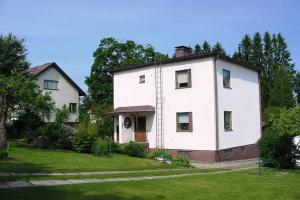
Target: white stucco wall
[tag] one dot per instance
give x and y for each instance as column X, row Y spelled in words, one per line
column 243, row 100
column 65, row 94
column 198, row 99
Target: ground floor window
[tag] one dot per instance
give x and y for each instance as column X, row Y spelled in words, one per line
column 73, row 107
column 227, row 121
column 184, row 121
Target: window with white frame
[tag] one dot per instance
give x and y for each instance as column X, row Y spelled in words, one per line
column 50, row 85
column 184, row 121
column 183, row 79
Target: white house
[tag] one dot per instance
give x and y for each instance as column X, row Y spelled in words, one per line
column 63, row 90
column 204, row 106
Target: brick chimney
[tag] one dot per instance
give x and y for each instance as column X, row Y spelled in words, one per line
column 182, row 51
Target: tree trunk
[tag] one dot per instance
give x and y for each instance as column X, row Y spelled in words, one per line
column 3, row 141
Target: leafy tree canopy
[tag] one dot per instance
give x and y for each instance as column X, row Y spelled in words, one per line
column 18, row 90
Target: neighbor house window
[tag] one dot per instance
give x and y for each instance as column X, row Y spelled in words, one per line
column 183, row 79
column 184, row 121
column 142, row 79
column 227, row 121
column 73, row 107
column 226, row 78
column 50, row 85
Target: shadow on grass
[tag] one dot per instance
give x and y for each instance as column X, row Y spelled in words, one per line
column 76, row 192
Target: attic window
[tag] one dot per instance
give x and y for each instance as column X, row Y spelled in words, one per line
column 50, row 85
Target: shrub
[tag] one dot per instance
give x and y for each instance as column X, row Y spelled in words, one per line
column 181, row 161
column 279, row 150
column 102, row 148
column 135, row 150
column 3, row 154
column 83, row 142
column 161, row 153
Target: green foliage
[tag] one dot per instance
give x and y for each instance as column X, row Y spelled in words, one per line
column 18, row 90
column 135, row 150
column 102, row 148
column 288, row 122
column 181, row 161
column 112, row 54
column 280, row 150
column 297, row 87
column 272, row 57
column 219, row 49
column 270, row 114
column 197, row 49
column 61, row 115
column 161, row 153
column 3, row 153
column 85, row 136
column 104, row 123
column 206, row 48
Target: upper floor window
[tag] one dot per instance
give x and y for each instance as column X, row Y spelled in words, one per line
column 227, row 121
column 183, row 79
column 184, row 121
column 50, row 85
column 142, row 79
column 73, row 107
column 226, row 78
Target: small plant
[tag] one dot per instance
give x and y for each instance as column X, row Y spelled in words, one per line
column 3, row 154
column 161, row 153
column 102, row 148
column 181, row 161
column 83, row 142
column 135, row 150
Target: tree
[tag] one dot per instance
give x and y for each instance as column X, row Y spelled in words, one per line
column 197, row 49
column 206, row 48
column 246, row 49
column 219, row 48
column 112, row 54
column 297, row 87
column 18, row 90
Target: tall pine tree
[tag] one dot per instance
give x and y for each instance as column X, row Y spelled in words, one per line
column 206, row 48
column 219, row 48
column 197, row 49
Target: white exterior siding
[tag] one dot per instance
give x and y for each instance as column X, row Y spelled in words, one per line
column 243, row 99
column 199, row 99
column 65, row 94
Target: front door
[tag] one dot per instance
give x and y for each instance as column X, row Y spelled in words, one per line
column 140, row 129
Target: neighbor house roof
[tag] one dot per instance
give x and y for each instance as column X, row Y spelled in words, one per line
column 132, row 109
column 186, row 58
column 35, row 71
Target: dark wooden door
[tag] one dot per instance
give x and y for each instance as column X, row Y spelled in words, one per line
column 140, row 129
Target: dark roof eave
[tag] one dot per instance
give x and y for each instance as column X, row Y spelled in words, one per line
column 185, row 58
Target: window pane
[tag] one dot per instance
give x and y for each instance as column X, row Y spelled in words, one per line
column 226, row 78
column 182, row 77
column 51, row 85
column 183, row 118
column 142, row 79
column 227, row 120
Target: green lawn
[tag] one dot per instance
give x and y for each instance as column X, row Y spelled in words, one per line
column 24, row 158
column 234, row 185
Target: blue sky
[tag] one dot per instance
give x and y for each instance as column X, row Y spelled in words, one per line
column 68, row 32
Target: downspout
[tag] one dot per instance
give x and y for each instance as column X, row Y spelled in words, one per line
column 216, row 107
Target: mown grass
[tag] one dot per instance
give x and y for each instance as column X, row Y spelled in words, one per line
column 103, row 176
column 24, row 158
column 235, row 185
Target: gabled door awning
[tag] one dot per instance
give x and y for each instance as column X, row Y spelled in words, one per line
column 132, row 109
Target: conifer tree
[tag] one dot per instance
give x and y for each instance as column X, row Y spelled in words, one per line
column 197, row 49
column 219, row 48
column 206, row 48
